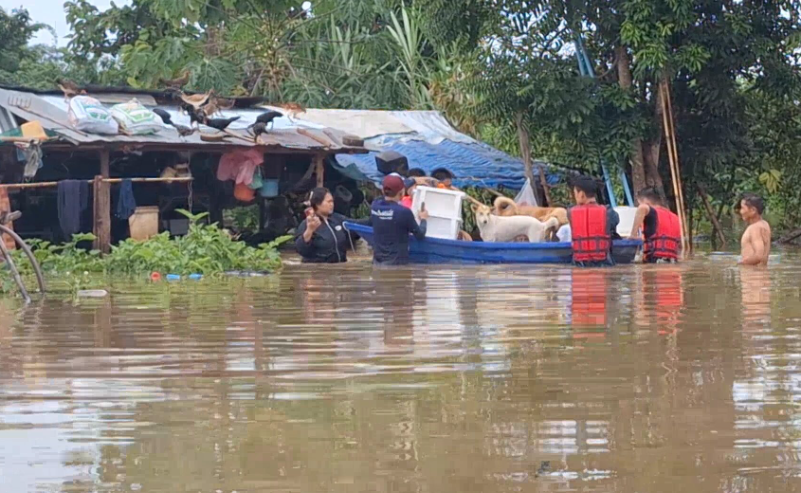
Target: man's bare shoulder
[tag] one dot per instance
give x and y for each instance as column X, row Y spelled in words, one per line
column 760, row 228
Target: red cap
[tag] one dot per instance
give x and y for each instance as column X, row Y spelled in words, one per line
column 392, row 185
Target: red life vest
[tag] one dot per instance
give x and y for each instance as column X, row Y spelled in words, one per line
column 664, row 243
column 591, row 239
column 588, row 293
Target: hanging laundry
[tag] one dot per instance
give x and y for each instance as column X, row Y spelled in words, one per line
column 31, row 154
column 239, row 165
column 126, row 202
column 257, row 181
column 73, row 199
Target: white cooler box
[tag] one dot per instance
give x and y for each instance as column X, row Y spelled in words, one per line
column 626, row 220
column 444, row 211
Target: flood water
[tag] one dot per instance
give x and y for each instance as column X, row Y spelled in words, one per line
column 439, row 379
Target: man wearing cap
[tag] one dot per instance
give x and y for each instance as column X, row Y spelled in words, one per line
column 392, row 223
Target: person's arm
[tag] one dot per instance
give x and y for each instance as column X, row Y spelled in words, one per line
column 418, row 230
column 639, row 221
column 613, row 219
column 303, row 246
column 758, row 250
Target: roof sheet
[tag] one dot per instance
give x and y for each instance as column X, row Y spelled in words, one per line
column 52, row 112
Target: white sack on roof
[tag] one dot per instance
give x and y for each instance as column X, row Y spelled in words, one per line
column 135, row 119
column 88, row 115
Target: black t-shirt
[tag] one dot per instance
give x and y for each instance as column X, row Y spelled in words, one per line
column 392, row 224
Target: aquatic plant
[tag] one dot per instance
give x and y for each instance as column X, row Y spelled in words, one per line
column 205, row 249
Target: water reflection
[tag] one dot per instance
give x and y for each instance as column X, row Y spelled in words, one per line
column 437, row 379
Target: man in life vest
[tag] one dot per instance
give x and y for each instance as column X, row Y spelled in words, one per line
column 592, row 226
column 661, row 229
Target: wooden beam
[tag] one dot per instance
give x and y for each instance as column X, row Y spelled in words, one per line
column 323, row 141
column 102, row 206
column 319, row 169
column 51, row 184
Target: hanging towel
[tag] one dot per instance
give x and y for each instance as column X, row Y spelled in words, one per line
column 239, row 165
column 126, row 203
column 31, row 154
column 73, row 199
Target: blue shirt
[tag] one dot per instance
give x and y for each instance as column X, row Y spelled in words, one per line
column 392, row 224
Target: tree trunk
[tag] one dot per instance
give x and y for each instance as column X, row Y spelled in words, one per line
column 710, row 212
column 637, row 159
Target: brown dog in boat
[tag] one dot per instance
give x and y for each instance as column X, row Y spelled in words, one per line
column 504, row 206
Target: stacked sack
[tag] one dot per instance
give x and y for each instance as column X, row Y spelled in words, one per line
column 87, row 114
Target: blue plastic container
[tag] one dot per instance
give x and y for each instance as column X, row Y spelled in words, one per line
column 269, row 188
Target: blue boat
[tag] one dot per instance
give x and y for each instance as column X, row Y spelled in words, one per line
column 438, row 251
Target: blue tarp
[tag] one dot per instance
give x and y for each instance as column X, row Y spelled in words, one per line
column 473, row 163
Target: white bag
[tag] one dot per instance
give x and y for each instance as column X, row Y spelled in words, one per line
column 88, row 115
column 135, row 119
column 526, row 196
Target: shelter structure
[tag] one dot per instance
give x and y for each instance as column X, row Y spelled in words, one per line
column 428, row 141
column 294, row 154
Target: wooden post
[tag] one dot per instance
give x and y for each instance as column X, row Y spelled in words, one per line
column 102, row 206
column 319, row 169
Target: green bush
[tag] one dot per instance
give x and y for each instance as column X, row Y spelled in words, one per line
column 206, row 249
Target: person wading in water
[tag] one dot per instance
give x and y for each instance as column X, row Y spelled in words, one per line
column 661, row 229
column 755, row 244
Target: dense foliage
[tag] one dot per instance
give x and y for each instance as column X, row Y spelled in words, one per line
column 502, row 70
column 205, row 249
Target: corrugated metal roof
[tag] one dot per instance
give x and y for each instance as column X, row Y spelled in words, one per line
column 386, row 125
column 51, row 112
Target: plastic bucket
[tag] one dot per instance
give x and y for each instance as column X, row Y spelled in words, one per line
column 269, row 188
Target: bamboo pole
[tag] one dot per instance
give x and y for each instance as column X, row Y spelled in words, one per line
column 673, row 161
column 51, row 184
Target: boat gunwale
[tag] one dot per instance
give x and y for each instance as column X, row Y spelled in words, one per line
column 487, row 245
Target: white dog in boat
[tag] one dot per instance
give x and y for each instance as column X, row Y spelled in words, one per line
column 502, row 229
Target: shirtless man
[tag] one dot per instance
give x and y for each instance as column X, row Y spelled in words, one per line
column 756, row 239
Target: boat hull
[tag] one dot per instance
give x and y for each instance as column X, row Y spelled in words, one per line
column 438, row 251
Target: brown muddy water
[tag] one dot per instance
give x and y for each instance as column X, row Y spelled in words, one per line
column 441, row 380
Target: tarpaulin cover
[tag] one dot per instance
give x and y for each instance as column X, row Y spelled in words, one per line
column 473, row 163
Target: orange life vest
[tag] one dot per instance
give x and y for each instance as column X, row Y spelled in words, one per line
column 664, row 243
column 591, row 239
